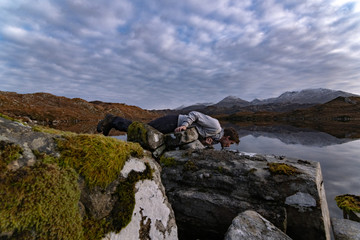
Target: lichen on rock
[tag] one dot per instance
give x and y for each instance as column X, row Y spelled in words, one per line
column 282, row 168
column 348, row 202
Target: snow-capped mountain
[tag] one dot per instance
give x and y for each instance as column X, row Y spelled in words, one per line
column 286, row 101
column 307, row 96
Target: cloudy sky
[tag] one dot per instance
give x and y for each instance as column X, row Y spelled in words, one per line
column 164, row 53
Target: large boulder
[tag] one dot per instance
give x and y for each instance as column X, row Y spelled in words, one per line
column 61, row 185
column 250, row 225
column 208, row 188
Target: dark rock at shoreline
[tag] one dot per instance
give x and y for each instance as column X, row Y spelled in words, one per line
column 209, row 188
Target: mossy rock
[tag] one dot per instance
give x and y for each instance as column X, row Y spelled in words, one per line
column 282, row 169
column 41, row 200
column 137, row 132
column 348, row 202
column 167, row 161
column 123, row 209
column 97, row 158
column 9, row 152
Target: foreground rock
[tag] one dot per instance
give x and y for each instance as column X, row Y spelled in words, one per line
column 252, row 226
column 345, row 229
column 68, row 186
column 209, row 188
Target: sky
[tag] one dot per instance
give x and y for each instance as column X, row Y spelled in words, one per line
column 163, row 54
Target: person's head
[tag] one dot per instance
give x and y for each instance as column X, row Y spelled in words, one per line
column 230, row 137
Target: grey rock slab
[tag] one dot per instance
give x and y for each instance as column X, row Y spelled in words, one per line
column 250, row 225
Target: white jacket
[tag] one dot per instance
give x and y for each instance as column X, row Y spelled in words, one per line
column 205, row 125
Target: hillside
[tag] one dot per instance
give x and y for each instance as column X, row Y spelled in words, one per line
column 339, row 117
column 63, row 113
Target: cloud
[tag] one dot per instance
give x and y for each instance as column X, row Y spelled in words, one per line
column 163, row 54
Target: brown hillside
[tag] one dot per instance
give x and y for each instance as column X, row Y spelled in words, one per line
column 64, row 113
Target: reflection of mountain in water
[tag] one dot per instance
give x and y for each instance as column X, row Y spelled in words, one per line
column 292, row 135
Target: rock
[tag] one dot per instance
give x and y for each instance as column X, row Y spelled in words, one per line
column 252, row 226
column 133, row 203
column 28, row 140
column 287, row 192
column 345, row 229
column 175, row 140
column 152, row 217
column 193, row 145
column 148, row 137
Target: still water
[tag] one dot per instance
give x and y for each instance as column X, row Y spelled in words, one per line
column 339, row 157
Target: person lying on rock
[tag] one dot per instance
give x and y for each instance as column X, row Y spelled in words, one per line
column 209, row 129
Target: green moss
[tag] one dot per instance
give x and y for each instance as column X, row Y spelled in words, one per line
column 137, row 133
column 42, row 200
column 45, row 158
column 167, row 161
column 8, row 152
column 282, row 168
column 124, row 208
column 348, row 202
column 95, row 229
column 45, row 129
column 97, row 158
column 190, row 166
column 6, row 117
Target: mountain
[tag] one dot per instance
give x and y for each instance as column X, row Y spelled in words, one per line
column 287, row 101
column 63, row 113
column 307, row 96
column 232, row 101
column 194, row 107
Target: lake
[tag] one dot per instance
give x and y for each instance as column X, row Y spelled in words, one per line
column 339, row 157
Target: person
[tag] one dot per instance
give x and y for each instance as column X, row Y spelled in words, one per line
column 209, row 129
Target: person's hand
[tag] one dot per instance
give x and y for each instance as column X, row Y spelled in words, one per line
column 208, row 140
column 179, row 129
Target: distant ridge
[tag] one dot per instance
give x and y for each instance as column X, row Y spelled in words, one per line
column 308, row 96
column 286, row 101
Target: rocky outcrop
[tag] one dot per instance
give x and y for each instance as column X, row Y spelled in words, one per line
column 209, row 188
column 68, row 186
column 156, row 142
column 252, row 226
